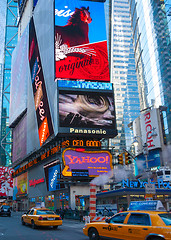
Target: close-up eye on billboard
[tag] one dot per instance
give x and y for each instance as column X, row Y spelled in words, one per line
column 87, row 113
column 80, row 41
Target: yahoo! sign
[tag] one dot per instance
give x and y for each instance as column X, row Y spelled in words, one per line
column 96, row 162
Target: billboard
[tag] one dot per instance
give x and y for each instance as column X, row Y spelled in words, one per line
column 19, row 149
column 81, row 41
column 96, row 162
column 53, row 176
column 87, row 113
column 44, row 121
column 6, row 182
column 19, row 78
column 148, row 121
column 20, row 186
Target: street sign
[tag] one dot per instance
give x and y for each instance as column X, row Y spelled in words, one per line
column 150, row 188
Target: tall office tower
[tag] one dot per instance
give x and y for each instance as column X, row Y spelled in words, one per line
column 123, row 75
column 151, row 25
column 10, row 43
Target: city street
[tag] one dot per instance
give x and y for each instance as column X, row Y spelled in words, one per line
column 11, row 228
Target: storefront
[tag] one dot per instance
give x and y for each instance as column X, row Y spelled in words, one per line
column 122, row 197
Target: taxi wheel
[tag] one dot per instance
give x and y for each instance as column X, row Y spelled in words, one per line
column 93, row 234
column 55, row 227
column 22, row 221
column 156, row 238
column 33, row 224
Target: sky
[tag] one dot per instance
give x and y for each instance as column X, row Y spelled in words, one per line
column 2, row 27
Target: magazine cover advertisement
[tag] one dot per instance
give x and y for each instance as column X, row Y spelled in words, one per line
column 81, row 41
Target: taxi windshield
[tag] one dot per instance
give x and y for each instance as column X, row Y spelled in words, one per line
column 166, row 217
column 43, row 212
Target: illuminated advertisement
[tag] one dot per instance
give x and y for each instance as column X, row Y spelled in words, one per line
column 85, row 85
column 80, row 40
column 6, row 182
column 97, row 163
column 20, row 186
column 87, row 113
column 45, row 128
column 19, row 78
column 54, row 175
column 19, row 141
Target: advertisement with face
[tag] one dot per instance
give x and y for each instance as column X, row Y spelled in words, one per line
column 80, row 40
column 19, row 140
column 45, row 128
column 20, row 186
column 6, row 182
column 87, row 113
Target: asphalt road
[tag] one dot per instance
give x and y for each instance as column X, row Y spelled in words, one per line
column 12, row 229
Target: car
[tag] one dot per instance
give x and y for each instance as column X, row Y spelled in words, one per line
column 41, row 217
column 5, row 210
column 132, row 225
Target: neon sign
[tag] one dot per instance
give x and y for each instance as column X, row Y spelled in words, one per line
column 141, row 184
column 35, row 182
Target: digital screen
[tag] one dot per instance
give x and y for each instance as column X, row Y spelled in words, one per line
column 54, row 175
column 77, row 163
column 85, row 85
column 81, row 41
column 94, row 113
column 45, row 128
column 20, row 186
column 80, row 173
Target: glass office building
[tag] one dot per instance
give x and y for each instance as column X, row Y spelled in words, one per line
column 151, row 25
column 123, row 75
column 10, row 41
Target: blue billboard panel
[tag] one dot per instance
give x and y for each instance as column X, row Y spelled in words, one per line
column 54, row 175
column 85, row 85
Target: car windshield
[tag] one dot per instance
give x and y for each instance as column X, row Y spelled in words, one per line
column 5, row 207
column 43, row 212
column 166, row 217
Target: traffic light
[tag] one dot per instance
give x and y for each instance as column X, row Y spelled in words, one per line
column 120, row 159
column 127, row 158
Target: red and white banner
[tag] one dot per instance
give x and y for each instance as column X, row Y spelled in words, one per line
column 6, row 182
column 148, row 121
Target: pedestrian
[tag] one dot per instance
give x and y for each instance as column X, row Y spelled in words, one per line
column 81, row 213
column 105, row 212
column 121, row 209
column 110, row 213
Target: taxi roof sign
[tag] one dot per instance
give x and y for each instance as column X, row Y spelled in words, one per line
column 153, row 205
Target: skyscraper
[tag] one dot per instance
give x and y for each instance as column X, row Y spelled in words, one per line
column 10, row 43
column 123, row 74
column 151, row 25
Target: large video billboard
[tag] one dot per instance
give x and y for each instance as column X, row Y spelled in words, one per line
column 45, row 128
column 87, row 113
column 95, row 163
column 81, row 41
column 19, row 78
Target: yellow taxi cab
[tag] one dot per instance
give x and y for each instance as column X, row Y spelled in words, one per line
column 132, row 225
column 41, row 217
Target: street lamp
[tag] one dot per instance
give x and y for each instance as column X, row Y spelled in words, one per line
column 145, row 145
